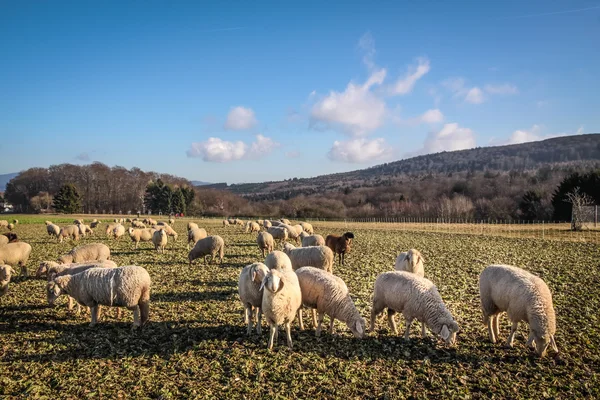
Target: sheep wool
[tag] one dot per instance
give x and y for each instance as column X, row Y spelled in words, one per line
column 159, row 239
column 196, row 234
column 71, row 231
column 14, row 254
column 329, row 295
column 225, row 222
column 416, row 298
column 127, row 286
column 3, row 240
column 267, row 224
column 191, row 225
column 88, row 252
column 252, row 226
column 308, row 228
column 524, row 297
column 266, row 242
column 209, row 246
column 311, row 240
column 118, row 231
column 251, row 294
column 278, row 260
column 410, row 261
column 140, row 235
column 278, row 233
column 312, row 256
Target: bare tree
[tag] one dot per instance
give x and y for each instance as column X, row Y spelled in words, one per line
column 578, row 202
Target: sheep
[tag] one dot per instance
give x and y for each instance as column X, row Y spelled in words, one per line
column 53, row 230
column 231, row 221
column 3, row 223
column 118, row 231
column 251, row 295
column 313, row 256
column 524, row 297
column 152, row 221
column 138, row 224
column 15, row 254
column 278, row 233
column 281, row 300
column 329, row 295
column 285, row 221
column 94, row 224
column 87, row 252
column 127, row 219
column 71, row 231
column 196, row 234
column 308, row 228
column 78, row 222
column 159, row 238
column 416, row 298
column 110, row 227
column 210, row 245
column 191, row 225
column 267, row 224
column 84, row 229
column 293, row 232
column 410, row 261
column 127, row 286
column 225, row 222
column 252, row 226
column 340, row 244
column 278, row 260
column 6, row 272
column 161, row 223
column 168, row 230
column 275, row 223
column 9, row 237
column 171, row 221
column 3, row 239
column 16, row 221
column 239, row 222
column 10, row 226
column 311, row 240
column 266, row 242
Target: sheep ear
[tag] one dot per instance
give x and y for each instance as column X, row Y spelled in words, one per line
column 253, row 274
column 262, row 284
column 358, row 328
column 445, row 334
column 280, row 286
column 553, row 344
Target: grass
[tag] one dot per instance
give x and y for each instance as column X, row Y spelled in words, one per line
column 195, row 344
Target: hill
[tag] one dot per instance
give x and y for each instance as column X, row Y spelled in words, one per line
column 5, row 178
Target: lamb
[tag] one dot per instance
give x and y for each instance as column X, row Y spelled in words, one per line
column 15, row 254
column 159, row 238
column 71, row 231
column 118, row 231
column 251, row 294
column 138, row 224
column 196, row 234
column 5, row 274
column 293, row 233
column 9, row 237
column 88, row 252
column 524, row 297
column 281, row 300
column 311, row 240
column 340, row 244
column 314, row 256
column 267, row 224
column 127, row 286
column 110, row 227
column 152, row 221
column 252, row 226
column 410, row 261
column 191, row 225
column 10, row 226
column 416, row 298
column 278, row 233
column 308, row 228
column 78, row 222
column 329, row 295
column 266, row 242
column 285, row 221
column 231, row 221
column 210, row 245
column 225, row 222
column 171, row 221
column 278, row 260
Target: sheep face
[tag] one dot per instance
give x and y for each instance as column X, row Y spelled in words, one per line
column 272, row 282
column 258, row 273
column 542, row 342
column 448, row 332
column 53, row 291
column 358, row 328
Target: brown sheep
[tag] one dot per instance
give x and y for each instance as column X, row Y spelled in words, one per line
column 340, row 244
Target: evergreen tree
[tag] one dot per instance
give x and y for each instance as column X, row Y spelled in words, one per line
column 588, row 183
column 67, row 200
column 531, row 205
column 178, row 204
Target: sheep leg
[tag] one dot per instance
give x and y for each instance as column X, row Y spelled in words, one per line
column 23, row 269
column 119, row 312
column 392, row 321
column 530, row 342
column 496, row 327
column 70, row 304
column 288, row 332
column 248, row 318
column 246, row 311
column 314, row 316
column 407, row 331
column 423, row 330
column 320, row 323
column 331, row 325
column 136, row 317
column 513, row 331
column 300, row 319
column 375, row 311
column 490, row 325
column 258, row 318
column 94, row 311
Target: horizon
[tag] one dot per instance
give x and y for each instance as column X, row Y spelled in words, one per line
column 248, row 95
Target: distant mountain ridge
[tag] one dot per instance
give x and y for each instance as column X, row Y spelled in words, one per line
column 200, row 183
column 5, row 178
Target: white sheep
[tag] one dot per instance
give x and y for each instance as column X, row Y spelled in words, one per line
column 78, row 222
column 266, row 242
column 168, row 230
column 311, row 240
column 6, row 272
column 71, row 231
column 87, row 252
column 312, row 256
column 274, row 223
column 118, row 231
column 278, row 233
column 524, row 297
column 3, row 239
column 196, row 234
column 138, row 224
column 416, row 298
column 10, row 226
column 140, row 235
column 278, row 260
column 292, row 232
column 308, row 228
column 329, row 295
column 250, row 293
column 3, row 223
column 267, row 224
column 210, row 245
column 410, row 261
column 159, row 239
column 225, row 222
column 171, row 221
column 191, row 225
column 285, row 221
column 252, row 226
column 14, row 254
column 127, row 286
column 281, row 300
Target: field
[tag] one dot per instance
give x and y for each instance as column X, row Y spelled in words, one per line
column 195, row 344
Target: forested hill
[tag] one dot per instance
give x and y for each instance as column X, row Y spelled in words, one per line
column 580, row 149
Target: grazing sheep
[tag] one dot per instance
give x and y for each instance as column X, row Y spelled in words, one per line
column 314, row 256
column 127, row 219
column 416, row 298
column 239, row 222
column 161, row 223
column 87, row 252
column 118, row 231
column 9, row 237
column 171, row 221
column 311, row 240
column 84, row 229
column 293, row 232
column 340, row 244
column 252, row 226
column 94, row 224
column 251, row 294
column 138, row 224
column 159, row 238
column 524, row 297
column 196, row 234
column 15, row 254
column 410, row 261
column 10, row 226
column 3, row 239
column 278, row 233
column 53, row 230
column 267, row 224
column 78, row 222
column 280, row 302
column 308, row 228
column 285, row 221
column 329, row 295
column 5, row 274
column 278, row 260
column 225, row 222
column 191, row 225
column 275, row 223
column 152, row 221
column 110, row 228
column 266, row 242
column 127, row 286
column 210, row 245
column 231, row 221
column 3, row 223
column 168, row 230
column 71, row 231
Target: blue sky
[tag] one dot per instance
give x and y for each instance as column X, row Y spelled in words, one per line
column 245, row 92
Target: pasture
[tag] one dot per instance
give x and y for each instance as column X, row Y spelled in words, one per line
column 195, row 345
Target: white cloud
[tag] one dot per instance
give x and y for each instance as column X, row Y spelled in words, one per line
column 534, row 134
column 474, row 96
column 359, row 150
column 367, row 44
column 356, row 110
column 432, row 116
column 240, row 118
column 293, row 154
column 505, row 88
column 219, row 150
column 406, row 84
column 450, row 138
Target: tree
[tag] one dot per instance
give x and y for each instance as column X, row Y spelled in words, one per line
column 588, row 183
column 178, row 202
column 67, row 200
column 578, row 201
column 530, row 205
